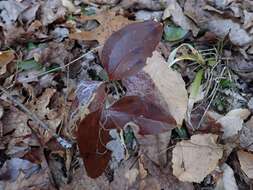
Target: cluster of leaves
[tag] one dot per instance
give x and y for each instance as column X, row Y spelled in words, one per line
column 124, row 54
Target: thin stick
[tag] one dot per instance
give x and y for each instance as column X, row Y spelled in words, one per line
column 68, row 64
column 36, row 119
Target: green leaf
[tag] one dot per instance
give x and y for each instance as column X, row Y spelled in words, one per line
column 173, row 33
column 28, row 65
column 31, row 46
column 196, row 84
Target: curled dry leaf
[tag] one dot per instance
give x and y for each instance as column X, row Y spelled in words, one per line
column 49, row 109
column 51, row 11
column 246, row 136
column 194, row 159
column 227, row 181
column 246, row 162
column 232, row 122
column 173, row 9
column 109, row 23
column 5, row 58
column 126, row 51
column 161, row 85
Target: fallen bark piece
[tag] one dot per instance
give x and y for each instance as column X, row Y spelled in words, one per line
column 194, row 159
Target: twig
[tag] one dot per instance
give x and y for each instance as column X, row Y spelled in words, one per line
column 36, row 119
column 68, row 64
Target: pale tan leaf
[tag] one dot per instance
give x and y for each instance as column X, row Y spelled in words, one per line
column 170, row 85
column 246, row 162
column 109, row 23
column 227, row 181
column 232, row 122
column 194, row 159
column 161, row 85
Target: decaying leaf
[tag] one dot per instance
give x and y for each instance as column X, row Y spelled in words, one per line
column 232, row 122
column 155, row 146
column 17, row 174
column 109, row 23
column 227, row 181
column 47, row 111
column 126, row 51
column 90, row 96
column 246, row 135
column 246, row 162
column 161, row 85
column 51, row 11
column 179, row 18
column 5, row 58
column 194, row 159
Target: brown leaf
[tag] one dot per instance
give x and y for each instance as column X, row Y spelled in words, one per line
column 21, row 174
column 109, row 23
column 150, row 118
column 51, row 11
column 161, row 85
column 5, row 58
column 246, row 162
column 194, row 159
column 126, row 51
column 92, row 138
column 49, row 109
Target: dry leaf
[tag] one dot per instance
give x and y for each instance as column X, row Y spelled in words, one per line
column 51, row 11
column 126, row 51
column 109, row 23
column 69, row 5
column 232, row 122
column 179, row 18
column 194, row 159
column 103, row 2
column 5, row 58
column 227, row 181
column 246, row 135
column 160, row 84
column 52, row 115
column 155, row 146
column 246, row 162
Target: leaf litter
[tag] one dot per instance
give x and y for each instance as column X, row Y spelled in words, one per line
column 93, row 76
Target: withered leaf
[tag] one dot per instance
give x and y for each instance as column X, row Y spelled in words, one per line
column 92, row 138
column 150, row 118
column 126, row 51
column 109, row 23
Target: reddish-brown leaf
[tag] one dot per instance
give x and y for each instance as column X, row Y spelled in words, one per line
column 150, row 118
column 125, row 52
column 91, row 139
